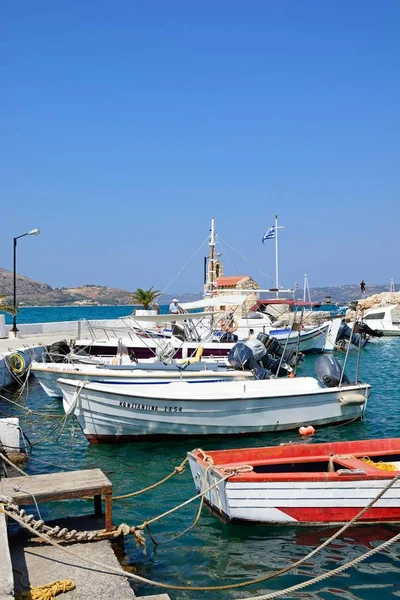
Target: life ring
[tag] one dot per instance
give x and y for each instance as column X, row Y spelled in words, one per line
column 228, row 325
column 17, row 363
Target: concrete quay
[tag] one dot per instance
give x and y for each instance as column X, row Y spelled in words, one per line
column 27, row 561
column 33, row 337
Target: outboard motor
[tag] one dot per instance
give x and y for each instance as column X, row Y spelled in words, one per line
column 241, row 356
column 257, row 347
column 329, row 371
column 57, row 352
column 275, row 350
column 366, row 330
column 346, row 333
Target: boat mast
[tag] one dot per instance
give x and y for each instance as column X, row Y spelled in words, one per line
column 306, row 289
column 211, row 272
column 276, row 257
column 211, row 268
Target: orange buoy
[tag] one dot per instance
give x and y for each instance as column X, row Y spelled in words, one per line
column 309, row 430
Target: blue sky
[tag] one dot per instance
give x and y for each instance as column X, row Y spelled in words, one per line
column 126, row 126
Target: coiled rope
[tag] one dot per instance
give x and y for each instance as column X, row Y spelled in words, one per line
column 46, row 592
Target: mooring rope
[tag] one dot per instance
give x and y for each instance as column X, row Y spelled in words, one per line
column 14, row 512
column 178, row 470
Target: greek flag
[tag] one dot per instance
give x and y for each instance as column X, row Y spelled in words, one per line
column 269, row 234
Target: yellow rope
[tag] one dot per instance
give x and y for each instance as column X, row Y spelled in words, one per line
column 47, row 591
column 379, row 464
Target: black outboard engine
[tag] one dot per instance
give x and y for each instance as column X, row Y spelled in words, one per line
column 329, row 371
column 57, row 352
column 241, row 357
column 366, row 330
column 346, row 333
column 275, row 350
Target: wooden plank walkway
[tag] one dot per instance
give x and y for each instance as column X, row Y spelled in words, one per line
column 62, row 486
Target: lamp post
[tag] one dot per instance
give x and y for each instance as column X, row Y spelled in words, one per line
column 32, row 232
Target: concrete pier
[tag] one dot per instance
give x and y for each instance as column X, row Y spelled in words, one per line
column 6, row 572
column 33, row 337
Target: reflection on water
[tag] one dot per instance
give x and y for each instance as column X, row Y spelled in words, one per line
column 216, row 553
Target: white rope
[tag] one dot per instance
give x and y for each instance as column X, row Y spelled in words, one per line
column 337, row 571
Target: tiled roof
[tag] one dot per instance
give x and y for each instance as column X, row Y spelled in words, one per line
column 230, row 281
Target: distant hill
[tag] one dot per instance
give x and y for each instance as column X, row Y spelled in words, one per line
column 34, row 293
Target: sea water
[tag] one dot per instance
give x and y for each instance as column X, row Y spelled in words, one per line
column 214, row 552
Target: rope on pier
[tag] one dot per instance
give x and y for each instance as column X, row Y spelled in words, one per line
column 48, row 591
column 45, row 532
column 11, row 510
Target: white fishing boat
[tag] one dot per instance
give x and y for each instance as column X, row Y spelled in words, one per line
column 185, row 332
column 111, row 413
column 143, row 372
column 384, row 319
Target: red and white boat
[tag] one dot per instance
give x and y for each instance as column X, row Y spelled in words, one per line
column 304, row 483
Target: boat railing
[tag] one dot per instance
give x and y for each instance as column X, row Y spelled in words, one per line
column 103, row 331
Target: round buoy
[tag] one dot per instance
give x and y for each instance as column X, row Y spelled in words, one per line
column 17, row 363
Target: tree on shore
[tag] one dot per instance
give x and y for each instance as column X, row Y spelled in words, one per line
column 146, row 298
column 6, row 307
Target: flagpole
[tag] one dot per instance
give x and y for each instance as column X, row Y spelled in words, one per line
column 276, row 257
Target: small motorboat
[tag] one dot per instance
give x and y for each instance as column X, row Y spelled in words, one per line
column 307, row 483
column 143, row 372
column 112, row 413
column 384, row 319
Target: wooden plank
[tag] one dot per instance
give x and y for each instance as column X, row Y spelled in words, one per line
column 53, row 486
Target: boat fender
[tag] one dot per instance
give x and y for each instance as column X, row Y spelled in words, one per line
column 352, row 399
column 17, row 363
column 309, row 430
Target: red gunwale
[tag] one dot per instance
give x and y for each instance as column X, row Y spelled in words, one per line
column 346, row 454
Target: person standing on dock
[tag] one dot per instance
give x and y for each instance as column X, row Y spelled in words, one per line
column 362, row 288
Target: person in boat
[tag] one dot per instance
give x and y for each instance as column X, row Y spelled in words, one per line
column 362, row 287
column 228, row 326
column 174, row 307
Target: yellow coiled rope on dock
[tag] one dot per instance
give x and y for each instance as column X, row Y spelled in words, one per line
column 48, row 591
column 379, row 464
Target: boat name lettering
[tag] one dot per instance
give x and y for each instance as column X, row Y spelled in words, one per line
column 172, row 408
column 138, row 406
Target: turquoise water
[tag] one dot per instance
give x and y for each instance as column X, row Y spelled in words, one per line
column 49, row 314
column 215, row 552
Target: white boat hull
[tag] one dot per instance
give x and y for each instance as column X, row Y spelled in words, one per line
column 290, row 502
column 48, row 373
column 117, row 413
column 312, row 340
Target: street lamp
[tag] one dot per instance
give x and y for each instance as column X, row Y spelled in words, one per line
column 32, row 232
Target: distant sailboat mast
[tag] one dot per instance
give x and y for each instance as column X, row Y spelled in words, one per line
column 306, row 289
